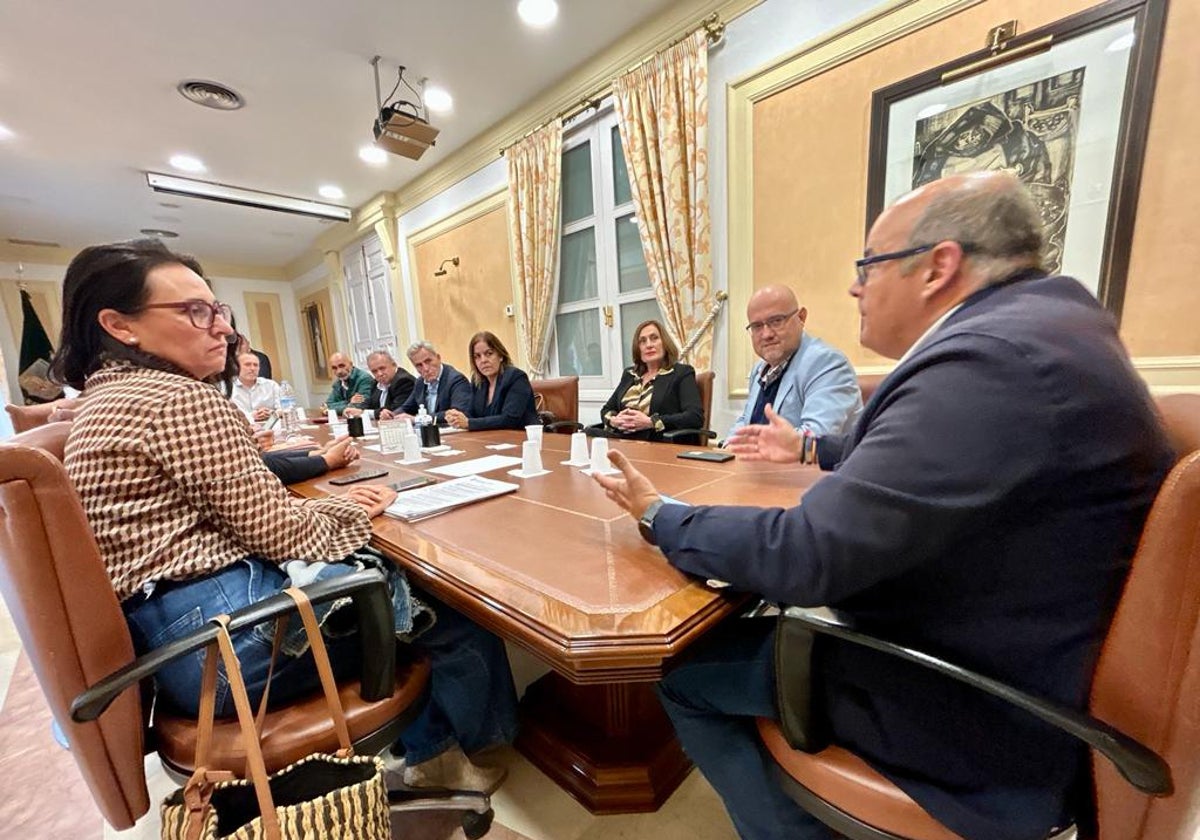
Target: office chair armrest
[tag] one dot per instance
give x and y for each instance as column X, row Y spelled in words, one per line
column 376, row 626
column 564, row 424
column 1141, row 766
column 705, row 434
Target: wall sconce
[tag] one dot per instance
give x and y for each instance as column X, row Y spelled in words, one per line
column 441, row 272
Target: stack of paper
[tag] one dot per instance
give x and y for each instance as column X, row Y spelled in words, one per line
column 438, row 498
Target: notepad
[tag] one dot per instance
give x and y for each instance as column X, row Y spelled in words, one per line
column 412, row 505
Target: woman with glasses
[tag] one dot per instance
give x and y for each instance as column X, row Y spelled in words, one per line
column 658, row 394
column 192, row 524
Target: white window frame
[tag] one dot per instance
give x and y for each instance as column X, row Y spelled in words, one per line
column 598, row 130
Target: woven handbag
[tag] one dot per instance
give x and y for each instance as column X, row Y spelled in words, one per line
column 323, row 797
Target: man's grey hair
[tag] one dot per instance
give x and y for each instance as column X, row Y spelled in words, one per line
column 997, row 222
column 381, row 352
column 420, row 345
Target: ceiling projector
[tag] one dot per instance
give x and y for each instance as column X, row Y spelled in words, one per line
column 402, row 131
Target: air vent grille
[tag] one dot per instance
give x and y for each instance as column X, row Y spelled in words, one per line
column 211, row 94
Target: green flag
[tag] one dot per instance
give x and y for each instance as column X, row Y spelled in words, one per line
column 34, row 361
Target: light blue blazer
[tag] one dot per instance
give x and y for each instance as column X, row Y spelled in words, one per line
column 818, row 392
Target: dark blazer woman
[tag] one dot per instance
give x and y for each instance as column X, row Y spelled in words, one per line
column 675, row 403
column 512, row 405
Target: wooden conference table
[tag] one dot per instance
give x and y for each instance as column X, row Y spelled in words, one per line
column 560, row 570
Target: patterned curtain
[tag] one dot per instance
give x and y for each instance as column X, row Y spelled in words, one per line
column 534, row 189
column 662, row 114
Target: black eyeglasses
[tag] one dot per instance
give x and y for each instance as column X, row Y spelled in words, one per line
column 201, row 313
column 860, row 266
column 775, row 322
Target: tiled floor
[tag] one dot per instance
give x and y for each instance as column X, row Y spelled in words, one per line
column 42, row 794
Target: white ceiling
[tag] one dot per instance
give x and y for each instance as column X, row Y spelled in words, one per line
column 88, row 89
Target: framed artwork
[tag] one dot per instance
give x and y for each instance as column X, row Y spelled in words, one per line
column 1065, row 107
column 315, row 324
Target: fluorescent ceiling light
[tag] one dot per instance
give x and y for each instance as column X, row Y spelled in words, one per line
column 538, row 12
column 187, row 163
column 373, row 155
column 247, row 198
column 331, row 192
column 437, row 99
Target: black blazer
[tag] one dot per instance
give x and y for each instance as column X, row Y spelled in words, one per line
column 511, row 407
column 676, row 401
column 398, row 392
column 454, row 391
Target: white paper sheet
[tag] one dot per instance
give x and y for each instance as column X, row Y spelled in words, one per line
column 476, row 466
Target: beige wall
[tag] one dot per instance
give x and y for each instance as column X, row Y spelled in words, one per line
column 472, row 295
column 810, row 177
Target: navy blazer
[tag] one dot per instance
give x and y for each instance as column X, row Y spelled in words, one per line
column 512, row 405
column 398, row 392
column 454, row 391
column 985, row 509
column 675, row 401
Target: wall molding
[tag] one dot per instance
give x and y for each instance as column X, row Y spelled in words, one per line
column 889, row 22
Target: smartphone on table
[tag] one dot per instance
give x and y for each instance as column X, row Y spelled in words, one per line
column 362, row 475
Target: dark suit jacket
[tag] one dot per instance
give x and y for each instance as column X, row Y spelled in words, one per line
column 398, row 392
column 985, row 509
column 511, row 407
column 454, row 391
column 294, row 465
column 676, row 401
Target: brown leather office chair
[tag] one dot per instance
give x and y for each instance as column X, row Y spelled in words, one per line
column 704, row 383
column 54, row 582
column 1180, row 414
column 1146, row 685
column 558, row 403
column 868, row 382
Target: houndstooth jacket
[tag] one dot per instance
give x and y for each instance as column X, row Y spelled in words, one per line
column 174, row 486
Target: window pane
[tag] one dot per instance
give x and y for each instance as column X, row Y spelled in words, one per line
column 577, row 183
column 630, row 261
column 633, row 314
column 577, row 271
column 621, row 192
column 578, row 336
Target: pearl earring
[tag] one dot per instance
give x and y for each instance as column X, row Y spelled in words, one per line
column 131, row 340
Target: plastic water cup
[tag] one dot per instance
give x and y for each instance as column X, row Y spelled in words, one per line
column 600, row 455
column 412, row 448
column 579, row 449
column 332, row 416
column 534, row 434
column 531, row 457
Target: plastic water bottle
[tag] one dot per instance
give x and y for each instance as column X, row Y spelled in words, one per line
column 422, row 418
column 287, row 409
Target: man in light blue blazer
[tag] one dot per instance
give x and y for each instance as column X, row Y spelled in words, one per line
column 807, row 382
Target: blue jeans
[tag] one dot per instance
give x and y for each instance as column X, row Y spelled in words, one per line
column 472, row 698
column 712, row 698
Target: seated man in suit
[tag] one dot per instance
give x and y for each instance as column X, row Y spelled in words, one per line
column 348, row 381
column 439, row 388
column 984, row 509
column 394, row 384
column 256, row 396
column 807, row 382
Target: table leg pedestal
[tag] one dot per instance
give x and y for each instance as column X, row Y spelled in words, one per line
column 610, row 745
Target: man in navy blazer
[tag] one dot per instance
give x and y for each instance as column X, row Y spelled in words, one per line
column 984, row 508
column 807, row 382
column 439, row 386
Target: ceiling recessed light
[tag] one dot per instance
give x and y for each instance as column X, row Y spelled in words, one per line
column 331, row 192
column 187, row 163
column 437, row 99
column 6, row 132
column 373, row 155
column 160, row 233
column 538, row 12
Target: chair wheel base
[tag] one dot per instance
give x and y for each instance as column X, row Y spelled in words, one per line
column 475, row 825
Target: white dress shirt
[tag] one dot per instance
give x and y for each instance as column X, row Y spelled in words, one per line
column 264, row 393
